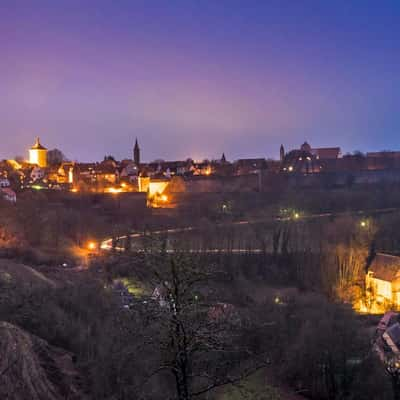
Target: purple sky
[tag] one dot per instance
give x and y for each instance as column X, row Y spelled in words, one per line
column 198, row 78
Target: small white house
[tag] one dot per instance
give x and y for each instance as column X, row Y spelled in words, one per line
column 4, row 182
column 8, row 194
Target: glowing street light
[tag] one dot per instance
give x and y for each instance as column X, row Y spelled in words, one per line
column 91, row 246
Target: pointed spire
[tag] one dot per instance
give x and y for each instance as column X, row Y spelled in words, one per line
column 282, row 152
column 223, row 158
column 136, row 153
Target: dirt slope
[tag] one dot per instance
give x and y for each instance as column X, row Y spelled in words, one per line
column 23, row 275
column 32, row 369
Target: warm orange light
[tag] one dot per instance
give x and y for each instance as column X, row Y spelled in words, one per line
column 91, row 246
column 74, row 190
column 113, row 190
column 164, row 198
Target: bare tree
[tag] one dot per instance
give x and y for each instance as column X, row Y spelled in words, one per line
column 200, row 339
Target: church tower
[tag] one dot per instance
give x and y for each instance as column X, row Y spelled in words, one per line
column 282, row 153
column 136, row 153
column 38, row 154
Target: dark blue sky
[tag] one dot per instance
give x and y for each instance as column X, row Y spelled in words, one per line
column 196, row 78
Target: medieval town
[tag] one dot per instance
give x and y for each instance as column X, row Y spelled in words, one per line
column 160, row 180
column 199, row 200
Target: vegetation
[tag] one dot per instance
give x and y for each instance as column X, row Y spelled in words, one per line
column 242, row 310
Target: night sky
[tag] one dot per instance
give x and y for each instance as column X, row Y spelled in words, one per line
column 198, row 78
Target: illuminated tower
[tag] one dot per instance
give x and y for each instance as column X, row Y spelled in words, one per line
column 38, row 154
column 136, row 153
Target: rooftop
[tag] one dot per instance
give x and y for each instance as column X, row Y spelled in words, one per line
column 385, row 267
column 38, row 146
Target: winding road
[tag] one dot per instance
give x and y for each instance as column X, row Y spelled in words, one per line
column 107, row 244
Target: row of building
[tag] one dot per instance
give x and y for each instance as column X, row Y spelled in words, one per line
column 308, row 160
column 42, row 171
column 49, row 170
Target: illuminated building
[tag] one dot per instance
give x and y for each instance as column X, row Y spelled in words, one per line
column 383, row 283
column 157, row 186
column 143, row 183
column 38, row 154
column 66, row 172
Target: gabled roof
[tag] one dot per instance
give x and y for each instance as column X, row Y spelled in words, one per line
column 86, row 167
column 38, row 146
column 66, row 166
column 385, row 267
column 105, row 168
column 394, row 333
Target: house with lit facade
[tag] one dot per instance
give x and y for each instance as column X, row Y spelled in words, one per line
column 382, row 283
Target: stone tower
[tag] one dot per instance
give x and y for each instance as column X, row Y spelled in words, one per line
column 38, row 154
column 282, row 153
column 136, row 153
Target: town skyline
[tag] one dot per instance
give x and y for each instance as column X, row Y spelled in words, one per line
column 196, row 80
column 276, row 156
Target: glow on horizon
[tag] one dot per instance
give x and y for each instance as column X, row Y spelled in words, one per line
column 196, row 80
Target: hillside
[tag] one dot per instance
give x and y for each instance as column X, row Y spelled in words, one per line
column 31, row 369
column 12, row 272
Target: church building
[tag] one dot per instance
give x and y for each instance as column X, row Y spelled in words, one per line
column 136, row 154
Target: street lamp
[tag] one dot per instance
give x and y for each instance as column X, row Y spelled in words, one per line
column 91, row 246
